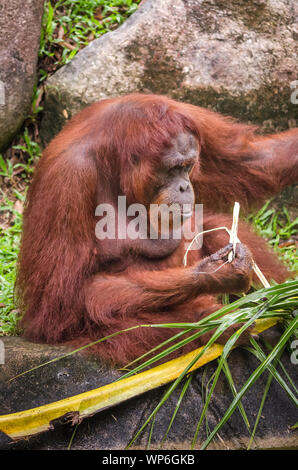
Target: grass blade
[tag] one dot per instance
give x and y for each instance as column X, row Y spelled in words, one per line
column 231, row 383
column 255, row 375
column 265, row 394
column 184, row 389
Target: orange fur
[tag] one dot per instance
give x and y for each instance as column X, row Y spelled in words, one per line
column 73, row 287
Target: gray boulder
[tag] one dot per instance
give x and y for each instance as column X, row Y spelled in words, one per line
column 19, row 42
column 236, row 57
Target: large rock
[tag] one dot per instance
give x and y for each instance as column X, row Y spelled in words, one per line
column 114, row 428
column 237, row 57
column 19, row 43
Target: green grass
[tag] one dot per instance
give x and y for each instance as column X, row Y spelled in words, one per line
column 15, row 174
column 30, row 152
column 9, row 247
column 69, row 25
column 279, row 229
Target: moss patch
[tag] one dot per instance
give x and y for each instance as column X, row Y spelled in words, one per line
column 162, row 73
column 269, row 106
column 255, row 15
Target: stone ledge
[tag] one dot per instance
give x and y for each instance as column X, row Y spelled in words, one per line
column 114, row 428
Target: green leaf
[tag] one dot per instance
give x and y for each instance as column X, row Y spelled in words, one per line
column 3, row 164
